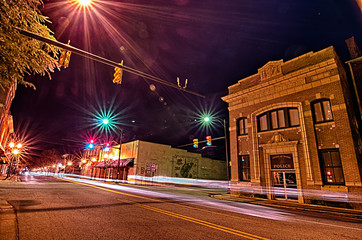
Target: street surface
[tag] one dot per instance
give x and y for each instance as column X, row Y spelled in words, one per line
column 47, row 207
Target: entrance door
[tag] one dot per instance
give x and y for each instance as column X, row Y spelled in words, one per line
column 284, row 185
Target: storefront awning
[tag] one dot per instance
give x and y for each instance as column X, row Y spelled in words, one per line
column 113, row 164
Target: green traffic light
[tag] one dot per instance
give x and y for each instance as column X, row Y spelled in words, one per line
column 207, row 119
column 105, row 121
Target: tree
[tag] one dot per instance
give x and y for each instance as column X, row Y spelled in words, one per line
column 46, row 158
column 21, row 55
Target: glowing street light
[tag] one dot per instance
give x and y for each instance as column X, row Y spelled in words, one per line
column 207, row 119
column 85, row 2
column 15, row 149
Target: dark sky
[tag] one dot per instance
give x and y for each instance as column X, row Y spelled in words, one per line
column 212, row 43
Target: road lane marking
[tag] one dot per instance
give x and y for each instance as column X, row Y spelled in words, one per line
column 201, row 222
column 176, row 215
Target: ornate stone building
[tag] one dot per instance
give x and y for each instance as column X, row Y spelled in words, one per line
column 293, row 131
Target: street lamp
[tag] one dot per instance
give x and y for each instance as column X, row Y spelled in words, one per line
column 85, row 2
column 108, row 124
column 208, row 120
column 15, row 150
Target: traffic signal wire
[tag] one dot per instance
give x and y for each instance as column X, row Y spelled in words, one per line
column 103, row 60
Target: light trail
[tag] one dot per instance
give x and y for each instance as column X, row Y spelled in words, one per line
column 176, row 215
column 242, row 208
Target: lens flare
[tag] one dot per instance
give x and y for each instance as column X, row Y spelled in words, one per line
column 85, row 2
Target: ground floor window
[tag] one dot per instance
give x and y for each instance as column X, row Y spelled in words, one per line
column 244, row 168
column 331, row 166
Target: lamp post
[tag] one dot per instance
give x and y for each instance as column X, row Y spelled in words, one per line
column 15, row 150
column 208, row 120
column 119, row 154
column 106, row 122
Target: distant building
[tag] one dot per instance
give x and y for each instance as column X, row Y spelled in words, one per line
column 146, row 159
column 293, row 130
column 6, row 123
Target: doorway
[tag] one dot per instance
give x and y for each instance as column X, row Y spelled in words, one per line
column 284, row 185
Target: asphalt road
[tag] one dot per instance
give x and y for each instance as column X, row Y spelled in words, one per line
column 51, row 208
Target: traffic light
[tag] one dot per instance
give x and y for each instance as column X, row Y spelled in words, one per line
column 196, row 143
column 90, row 145
column 67, row 59
column 118, row 72
column 106, row 147
column 208, row 141
column 64, row 57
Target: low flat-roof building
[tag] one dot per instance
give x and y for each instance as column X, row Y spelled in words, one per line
column 293, row 130
column 147, row 159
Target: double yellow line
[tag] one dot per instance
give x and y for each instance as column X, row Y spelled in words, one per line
column 176, row 215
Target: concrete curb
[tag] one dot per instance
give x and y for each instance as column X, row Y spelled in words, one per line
column 8, row 221
column 344, row 212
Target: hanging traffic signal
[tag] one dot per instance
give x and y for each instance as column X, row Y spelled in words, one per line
column 208, row 141
column 67, row 59
column 106, row 147
column 64, row 57
column 196, row 143
column 118, row 72
column 90, row 145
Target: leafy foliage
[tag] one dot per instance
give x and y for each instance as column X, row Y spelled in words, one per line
column 21, row 55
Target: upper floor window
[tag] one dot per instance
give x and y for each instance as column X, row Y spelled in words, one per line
column 331, row 166
column 242, row 126
column 322, row 111
column 278, row 118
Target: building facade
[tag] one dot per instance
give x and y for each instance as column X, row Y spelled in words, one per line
column 293, row 131
column 147, row 159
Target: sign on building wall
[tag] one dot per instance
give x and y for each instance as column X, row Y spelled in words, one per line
column 185, row 167
column 282, row 161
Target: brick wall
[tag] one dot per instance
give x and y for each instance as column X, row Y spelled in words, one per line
column 295, row 83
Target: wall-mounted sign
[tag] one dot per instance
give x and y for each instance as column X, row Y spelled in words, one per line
column 282, row 161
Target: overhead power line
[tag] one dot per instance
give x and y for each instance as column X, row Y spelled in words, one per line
column 104, row 60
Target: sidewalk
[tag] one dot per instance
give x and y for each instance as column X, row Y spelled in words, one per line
column 12, row 178
column 290, row 205
column 8, row 221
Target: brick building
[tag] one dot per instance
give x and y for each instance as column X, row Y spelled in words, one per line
column 141, row 160
column 293, row 131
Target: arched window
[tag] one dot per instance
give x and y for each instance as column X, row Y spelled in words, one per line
column 322, row 111
column 278, row 118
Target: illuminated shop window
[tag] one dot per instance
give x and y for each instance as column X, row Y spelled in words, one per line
column 244, row 168
column 278, row 118
column 242, row 126
column 322, row 111
column 332, row 167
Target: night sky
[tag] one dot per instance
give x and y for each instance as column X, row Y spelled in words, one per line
column 211, row 43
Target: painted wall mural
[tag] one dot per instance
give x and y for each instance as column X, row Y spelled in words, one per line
column 186, row 167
